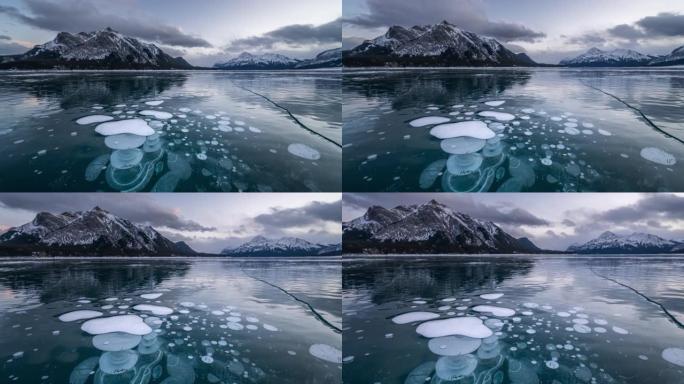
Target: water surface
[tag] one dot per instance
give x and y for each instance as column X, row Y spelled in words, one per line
column 566, row 134
column 229, row 322
column 572, row 324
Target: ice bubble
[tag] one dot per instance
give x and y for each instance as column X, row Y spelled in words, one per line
column 495, row 103
column 563, row 314
column 490, row 348
column 464, row 326
column 546, row 161
column 431, row 173
column 604, row 132
column 619, row 330
column 207, row 359
column 461, row 165
column 235, row 326
column 658, row 156
column 531, row 305
column 527, row 110
column 412, row 317
column 674, row 355
column 81, row 373
column 269, row 327
column 572, row 131
column 475, row 129
column 116, row 341
column 151, row 296
column 155, row 309
column 93, row 119
column 132, row 324
column 79, row 315
column 501, row 116
column 587, row 131
column 154, row 103
column 132, row 126
column 581, row 328
column 492, row 296
column 552, row 364
column 462, row 145
column 420, row 374
column 600, row 321
column 252, row 327
column 124, row 141
column 600, row 330
column 115, row 363
column 453, row 368
column 126, row 158
column 303, row 151
column 496, row 311
column 160, row 115
column 570, row 125
column 184, row 109
column 326, row 352
column 428, row 120
column 494, row 324
column 453, row 345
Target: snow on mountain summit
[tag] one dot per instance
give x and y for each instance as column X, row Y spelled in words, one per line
column 637, row 242
column 246, row 60
column 600, row 58
column 284, row 246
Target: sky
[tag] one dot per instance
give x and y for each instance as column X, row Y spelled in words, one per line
column 547, row 31
column 551, row 220
column 208, row 222
column 203, row 32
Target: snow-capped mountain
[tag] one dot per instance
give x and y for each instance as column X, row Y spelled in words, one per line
column 676, row 57
column 247, row 60
column 441, row 45
column 261, row 246
column 609, row 242
column 615, row 58
column 105, row 49
column 95, row 232
column 326, row 59
column 427, row 228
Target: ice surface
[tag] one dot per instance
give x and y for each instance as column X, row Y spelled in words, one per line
column 93, row 119
column 464, row 326
column 155, row 309
column 132, row 126
column 156, row 114
column 132, row 324
column 412, row 317
column 79, row 315
column 501, row 116
column 496, row 311
column 303, row 151
column 326, row 352
column 428, row 120
column 476, row 129
column 658, row 156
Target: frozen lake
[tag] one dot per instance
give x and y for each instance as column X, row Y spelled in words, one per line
column 171, row 321
column 539, row 130
column 530, row 320
column 198, row 131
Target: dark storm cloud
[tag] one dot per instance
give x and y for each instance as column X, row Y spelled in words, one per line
column 467, row 14
column 626, row 31
column 586, row 39
column 83, row 16
column 663, row 24
column 5, row 37
column 295, row 35
column 499, row 214
column 351, row 42
column 652, row 207
column 313, row 213
column 136, row 208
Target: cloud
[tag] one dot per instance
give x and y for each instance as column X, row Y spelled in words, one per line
column 657, row 207
column 468, row 14
column 136, row 208
column 626, row 31
column 663, row 24
column 83, row 16
column 352, row 41
column 592, row 38
column 293, row 36
column 5, row 37
column 11, row 48
column 313, row 213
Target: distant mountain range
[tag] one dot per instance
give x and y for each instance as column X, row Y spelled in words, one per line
column 247, row 61
column 105, row 49
column 439, row 45
column 261, row 246
column 623, row 58
column 636, row 243
column 428, row 228
column 95, row 232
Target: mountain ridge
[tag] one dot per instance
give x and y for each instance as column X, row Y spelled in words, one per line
column 635, row 243
column 595, row 57
column 260, row 246
column 246, row 61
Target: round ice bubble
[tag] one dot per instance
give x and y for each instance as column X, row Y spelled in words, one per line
column 115, row 341
column 453, row 368
column 462, row 145
column 124, row 141
column 453, row 345
column 326, row 352
column 461, row 165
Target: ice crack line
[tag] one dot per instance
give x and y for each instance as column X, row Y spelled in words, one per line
column 313, row 310
column 637, row 110
column 296, row 120
column 661, row 306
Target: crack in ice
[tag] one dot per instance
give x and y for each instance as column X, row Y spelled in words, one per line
column 285, row 291
column 296, row 120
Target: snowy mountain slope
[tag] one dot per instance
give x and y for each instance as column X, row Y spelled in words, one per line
column 615, row 58
column 608, row 242
column 264, row 61
column 286, row 246
column 104, row 49
column 326, row 59
column 427, row 228
column 442, row 44
column 94, row 232
column 676, row 57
